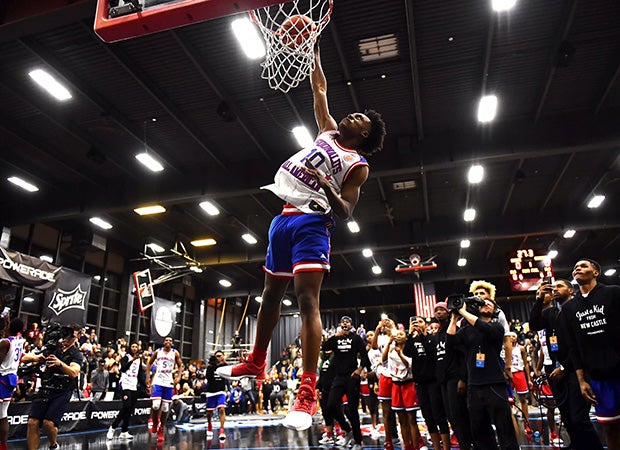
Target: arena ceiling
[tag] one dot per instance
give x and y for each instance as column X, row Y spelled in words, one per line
column 203, row 109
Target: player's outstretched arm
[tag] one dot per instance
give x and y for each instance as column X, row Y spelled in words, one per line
column 319, row 92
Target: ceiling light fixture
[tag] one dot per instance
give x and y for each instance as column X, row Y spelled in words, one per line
column 376, row 270
column 465, row 243
column 100, row 223
column 596, row 201
column 149, row 162
column 367, row 253
column 155, row 247
column 487, row 108
column 610, row 272
column 287, row 302
column 569, row 234
column 362, row 311
column 259, row 299
column 196, row 269
column 503, row 5
column 203, row 242
column 475, row 174
column 50, row 84
column 552, row 254
column 302, row 135
column 23, row 184
column 462, row 262
column 247, row 237
column 29, row 299
column 148, row 210
column 353, row 226
column 46, row 258
column 248, row 37
column 469, row 215
column 209, row 208
column 225, row 283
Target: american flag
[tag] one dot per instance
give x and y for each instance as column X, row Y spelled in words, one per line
column 424, row 296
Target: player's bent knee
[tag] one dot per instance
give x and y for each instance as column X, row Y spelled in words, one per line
column 156, row 404
column 165, row 407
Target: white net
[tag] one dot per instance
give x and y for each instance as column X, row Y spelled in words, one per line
column 290, row 31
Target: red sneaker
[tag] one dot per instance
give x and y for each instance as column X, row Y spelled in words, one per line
column 246, row 369
column 528, row 429
column 300, row 416
column 389, row 445
column 222, row 435
column 150, row 426
column 555, row 440
column 160, row 434
column 454, row 442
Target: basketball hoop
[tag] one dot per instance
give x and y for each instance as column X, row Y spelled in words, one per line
column 289, row 40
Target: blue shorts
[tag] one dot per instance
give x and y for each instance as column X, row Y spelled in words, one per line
column 299, row 243
column 216, row 401
column 165, row 393
column 608, row 397
column 50, row 408
column 8, row 383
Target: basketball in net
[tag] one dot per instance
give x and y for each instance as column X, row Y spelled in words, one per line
column 296, row 30
column 290, row 31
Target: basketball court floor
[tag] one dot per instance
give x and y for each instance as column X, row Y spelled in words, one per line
column 252, row 432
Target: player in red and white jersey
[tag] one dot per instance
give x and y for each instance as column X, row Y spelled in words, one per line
column 521, row 382
column 11, row 350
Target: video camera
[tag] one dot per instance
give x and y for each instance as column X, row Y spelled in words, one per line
column 472, row 304
column 54, row 334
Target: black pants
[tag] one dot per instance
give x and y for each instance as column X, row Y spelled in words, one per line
column 575, row 412
column 431, row 404
column 327, row 417
column 489, row 405
column 129, row 403
column 458, row 415
column 344, row 383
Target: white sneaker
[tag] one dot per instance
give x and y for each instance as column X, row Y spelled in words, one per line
column 327, row 440
column 110, row 433
column 125, row 436
column 341, row 441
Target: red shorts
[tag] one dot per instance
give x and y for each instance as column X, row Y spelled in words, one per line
column 520, row 383
column 385, row 388
column 544, row 391
column 404, row 396
column 364, row 389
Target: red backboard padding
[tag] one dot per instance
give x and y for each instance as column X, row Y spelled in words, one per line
column 166, row 16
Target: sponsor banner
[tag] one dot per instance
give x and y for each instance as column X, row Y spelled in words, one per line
column 67, row 300
column 27, row 270
column 163, row 320
column 80, row 416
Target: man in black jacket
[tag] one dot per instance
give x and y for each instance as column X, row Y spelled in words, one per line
column 346, row 346
column 421, row 347
column 486, row 386
column 593, row 317
column 562, row 378
column 451, row 375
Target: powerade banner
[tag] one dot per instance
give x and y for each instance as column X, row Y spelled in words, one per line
column 67, row 299
column 163, row 320
column 82, row 415
column 27, row 270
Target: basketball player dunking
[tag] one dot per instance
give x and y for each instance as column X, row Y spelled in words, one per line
column 314, row 183
column 166, row 359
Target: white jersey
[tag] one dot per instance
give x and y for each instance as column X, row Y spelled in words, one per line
column 165, row 366
column 296, row 187
column 397, row 368
column 14, row 355
column 542, row 337
column 382, row 341
column 129, row 378
column 517, row 360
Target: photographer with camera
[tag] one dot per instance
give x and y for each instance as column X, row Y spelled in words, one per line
column 482, row 339
column 62, row 362
column 11, row 349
